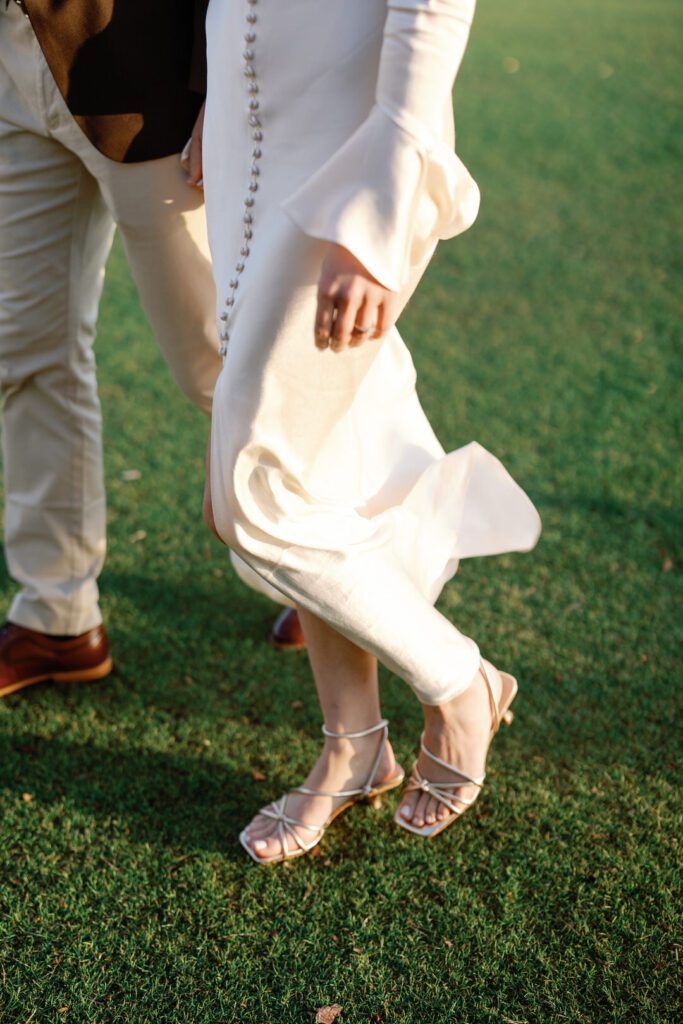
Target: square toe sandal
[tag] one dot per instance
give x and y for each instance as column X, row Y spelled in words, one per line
column 287, row 826
column 446, row 792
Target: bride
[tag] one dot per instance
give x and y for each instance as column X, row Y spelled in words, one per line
column 330, row 174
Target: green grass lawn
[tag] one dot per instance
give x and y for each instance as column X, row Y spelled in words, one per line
column 548, row 334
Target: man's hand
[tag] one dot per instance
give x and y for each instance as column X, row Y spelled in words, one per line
column 193, row 164
column 353, row 307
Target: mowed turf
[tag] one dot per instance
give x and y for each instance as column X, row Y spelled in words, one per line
column 548, row 334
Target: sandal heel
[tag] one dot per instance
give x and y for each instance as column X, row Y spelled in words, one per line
column 508, row 718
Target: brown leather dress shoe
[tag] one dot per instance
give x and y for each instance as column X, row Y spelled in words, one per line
column 287, row 634
column 27, row 657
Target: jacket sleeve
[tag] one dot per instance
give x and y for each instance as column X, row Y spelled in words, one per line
column 396, row 186
column 197, row 81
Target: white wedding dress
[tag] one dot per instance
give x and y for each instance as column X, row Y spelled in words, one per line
column 331, row 120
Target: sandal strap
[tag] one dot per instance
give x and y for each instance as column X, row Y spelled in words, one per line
column 442, row 791
column 323, row 792
column 382, row 724
column 466, row 779
column 492, row 696
column 363, row 790
column 287, row 825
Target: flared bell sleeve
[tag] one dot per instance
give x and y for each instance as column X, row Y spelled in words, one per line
column 396, row 186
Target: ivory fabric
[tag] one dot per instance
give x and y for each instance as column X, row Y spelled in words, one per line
column 326, row 477
column 59, row 200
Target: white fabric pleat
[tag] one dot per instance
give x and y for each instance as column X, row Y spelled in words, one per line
column 327, row 478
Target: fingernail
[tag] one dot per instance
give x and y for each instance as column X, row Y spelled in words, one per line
column 405, row 810
column 259, row 844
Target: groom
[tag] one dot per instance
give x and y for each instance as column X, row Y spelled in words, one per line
column 97, row 99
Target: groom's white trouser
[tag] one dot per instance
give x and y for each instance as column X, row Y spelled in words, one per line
column 60, row 200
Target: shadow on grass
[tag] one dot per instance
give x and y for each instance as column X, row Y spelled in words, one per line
column 192, row 610
column 156, row 798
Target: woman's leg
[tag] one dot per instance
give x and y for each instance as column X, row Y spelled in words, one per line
column 346, row 681
column 458, row 732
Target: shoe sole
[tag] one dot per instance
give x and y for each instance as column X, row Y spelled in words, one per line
column 377, row 791
column 509, row 692
column 279, row 645
column 85, row 675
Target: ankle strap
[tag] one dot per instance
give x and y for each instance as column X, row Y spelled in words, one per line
column 451, row 768
column 492, row 697
column 383, row 724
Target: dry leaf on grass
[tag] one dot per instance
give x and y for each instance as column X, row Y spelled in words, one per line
column 136, row 537
column 27, row 797
column 328, row 1014
column 296, row 705
column 131, row 474
column 258, row 776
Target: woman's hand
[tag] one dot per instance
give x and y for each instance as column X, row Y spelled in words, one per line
column 352, row 306
column 194, row 165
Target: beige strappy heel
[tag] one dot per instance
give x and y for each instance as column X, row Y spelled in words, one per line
column 287, row 825
column 446, row 792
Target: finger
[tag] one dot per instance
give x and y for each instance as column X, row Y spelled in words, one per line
column 347, row 308
column 380, row 321
column 364, row 326
column 324, row 320
column 195, row 175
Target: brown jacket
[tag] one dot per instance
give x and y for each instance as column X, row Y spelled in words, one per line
column 131, row 71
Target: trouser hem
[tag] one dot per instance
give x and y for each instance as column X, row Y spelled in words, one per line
column 35, row 615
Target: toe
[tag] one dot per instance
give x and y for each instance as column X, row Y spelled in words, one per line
column 264, row 840
column 407, row 807
column 431, row 808
column 420, row 808
column 266, row 848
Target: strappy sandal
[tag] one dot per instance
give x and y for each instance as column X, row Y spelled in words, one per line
column 446, row 792
column 287, row 825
